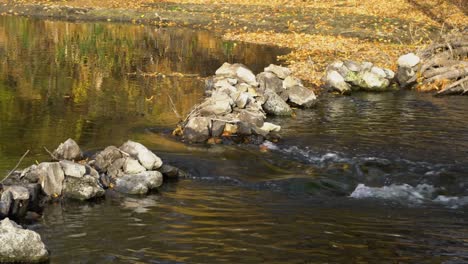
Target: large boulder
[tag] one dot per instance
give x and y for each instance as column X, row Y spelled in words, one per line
column 147, row 158
column 107, row 157
column 268, row 80
column 275, row 105
column 237, row 71
column 68, row 150
column 197, row 129
column 139, row 183
column 51, row 178
column 301, row 96
column 19, row 245
column 84, row 188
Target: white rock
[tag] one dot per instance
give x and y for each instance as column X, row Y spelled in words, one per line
column 73, row 169
column 269, row 127
column 334, row 80
column 408, row 60
column 20, row 245
column 147, row 158
column 51, row 177
column 132, row 166
column 291, row 81
column 379, row 71
column 139, row 183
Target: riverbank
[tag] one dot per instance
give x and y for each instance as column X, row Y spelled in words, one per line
column 316, row 33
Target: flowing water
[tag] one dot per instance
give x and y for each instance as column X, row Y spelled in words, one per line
column 369, row 178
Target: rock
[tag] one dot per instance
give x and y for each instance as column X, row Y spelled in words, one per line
column 243, row 87
column 6, row 200
column 68, row 150
column 92, row 172
column 334, row 81
column 132, row 166
column 84, row 188
column 408, row 60
column 105, row 158
column 20, row 245
column 72, row 169
column 275, row 105
column 230, row 128
column 268, row 80
column 352, row 66
column 216, row 106
column 242, row 100
column 17, row 197
column 379, row 72
column 30, row 174
column 237, row 71
column 389, row 74
column 139, row 183
column 51, row 177
column 270, row 127
column 253, row 117
column 115, row 169
column 366, row 66
column 301, row 96
column 170, row 172
column 291, row 81
column 197, row 129
column 281, row 72
column 372, row 82
column 34, row 190
column 146, row 157
column 217, row 128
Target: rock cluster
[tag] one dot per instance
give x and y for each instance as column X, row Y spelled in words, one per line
column 19, row 245
column 130, row 169
column 407, row 68
column 238, row 103
column 347, row 76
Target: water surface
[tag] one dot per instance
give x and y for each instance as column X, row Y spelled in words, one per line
column 368, row 178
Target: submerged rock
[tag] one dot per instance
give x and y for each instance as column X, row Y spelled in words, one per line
column 139, row 183
column 20, row 245
column 68, row 150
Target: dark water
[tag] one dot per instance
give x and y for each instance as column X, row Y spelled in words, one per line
column 372, row 178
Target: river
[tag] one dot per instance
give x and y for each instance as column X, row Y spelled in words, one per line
column 368, row 178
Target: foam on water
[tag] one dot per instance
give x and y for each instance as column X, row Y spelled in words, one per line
column 419, row 194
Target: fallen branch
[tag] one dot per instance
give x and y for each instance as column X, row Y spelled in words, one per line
column 16, row 167
column 50, row 153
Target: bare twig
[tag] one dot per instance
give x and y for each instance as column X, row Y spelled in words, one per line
column 50, row 153
column 17, row 164
column 174, row 107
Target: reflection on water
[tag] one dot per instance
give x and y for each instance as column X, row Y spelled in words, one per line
column 60, row 80
column 238, row 205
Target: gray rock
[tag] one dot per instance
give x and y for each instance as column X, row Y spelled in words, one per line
column 115, row 169
column 217, row 128
column 334, row 81
column 51, row 178
column 281, row 72
column 68, row 150
column 18, row 199
column 301, row 96
column 73, row 169
column 243, row 87
column 291, row 81
column 237, row 71
column 252, row 117
column 20, row 245
column 148, row 159
column 84, row 188
column 132, row 166
column 244, row 128
column 369, row 81
column 197, row 129
column 105, row 158
column 30, row 174
column 275, row 105
column 268, row 80
column 171, row 172
column 407, row 67
column 216, row 106
column 242, row 100
column 139, row 183
column 269, row 127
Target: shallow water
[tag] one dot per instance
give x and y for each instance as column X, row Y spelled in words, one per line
column 372, row 178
